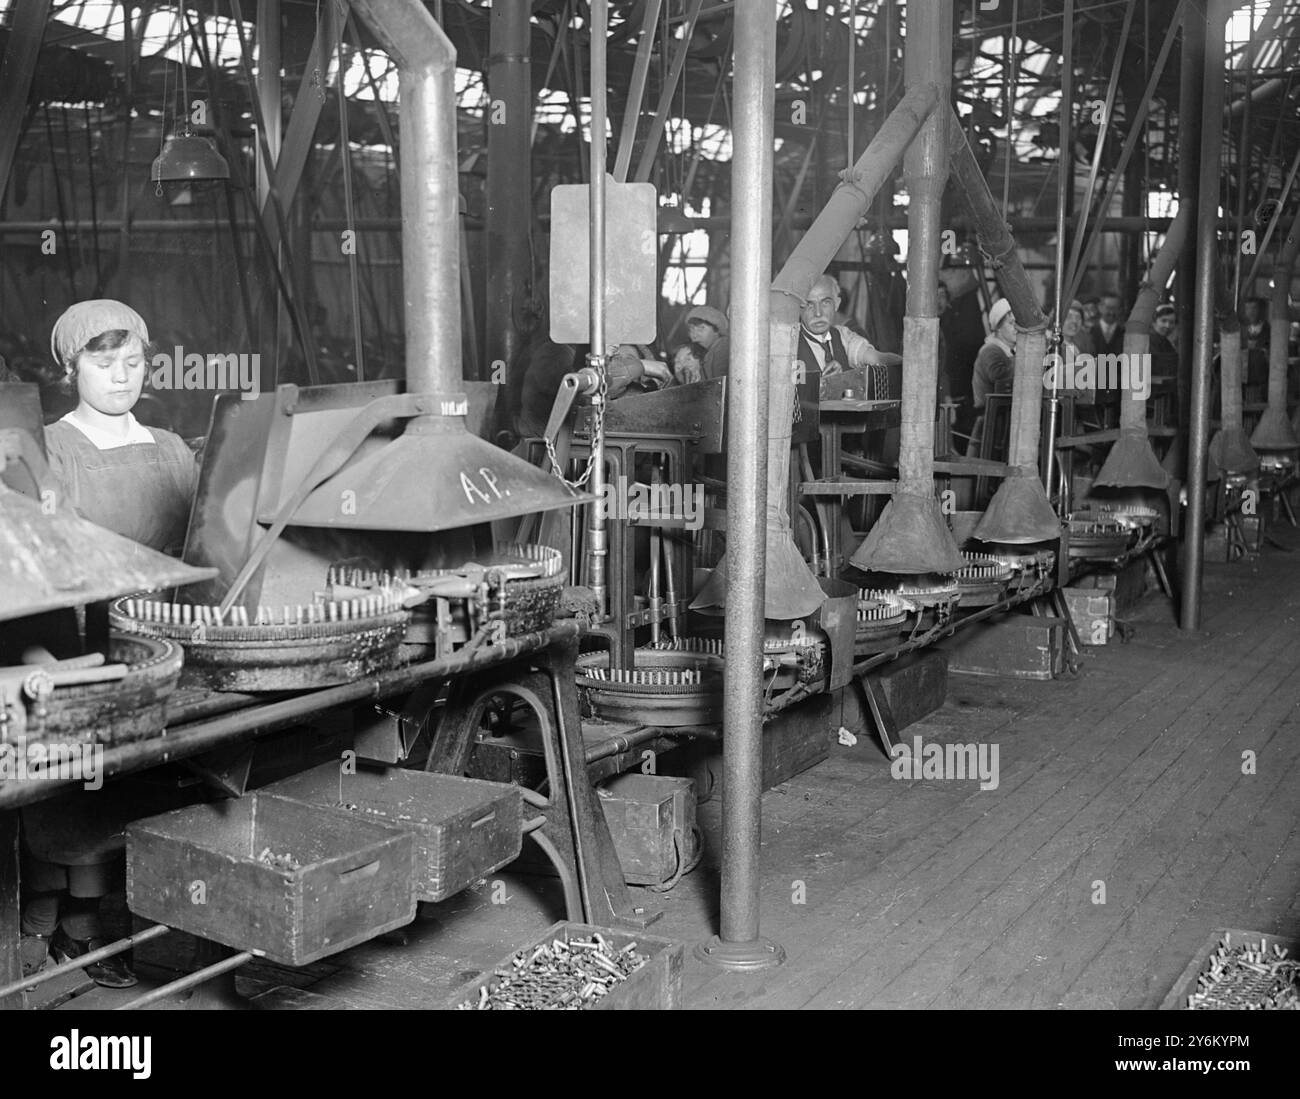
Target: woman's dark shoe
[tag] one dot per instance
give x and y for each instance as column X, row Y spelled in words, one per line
column 114, row 972
column 34, row 950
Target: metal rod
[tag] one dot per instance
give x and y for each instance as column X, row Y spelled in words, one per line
column 1064, row 178
column 198, row 977
column 597, row 534
column 1192, row 63
column 636, row 92
column 99, row 955
column 747, row 473
column 1207, row 239
column 651, row 148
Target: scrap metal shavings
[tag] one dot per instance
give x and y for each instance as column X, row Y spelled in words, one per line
column 1247, row 978
column 558, row 976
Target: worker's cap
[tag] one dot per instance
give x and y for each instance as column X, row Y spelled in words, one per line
column 82, row 322
column 709, row 315
column 1166, row 310
column 1075, row 306
column 1000, row 309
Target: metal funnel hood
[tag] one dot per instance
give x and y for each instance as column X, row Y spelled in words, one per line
column 909, row 537
column 1019, row 513
column 790, row 591
column 1230, row 452
column 436, row 476
column 56, row 560
column 1274, row 431
column 1132, row 463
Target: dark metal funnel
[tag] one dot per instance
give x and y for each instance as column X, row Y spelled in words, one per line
column 1231, row 452
column 910, row 537
column 1019, row 513
column 1132, row 463
column 1274, row 431
column 436, row 476
column 50, row 559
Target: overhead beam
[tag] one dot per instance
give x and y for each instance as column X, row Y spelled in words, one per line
column 17, row 67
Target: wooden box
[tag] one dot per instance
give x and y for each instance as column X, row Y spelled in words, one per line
column 284, row 880
column 1016, row 645
column 915, row 686
column 464, row 828
column 652, row 821
column 656, row 986
column 1200, row 963
column 1093, row 613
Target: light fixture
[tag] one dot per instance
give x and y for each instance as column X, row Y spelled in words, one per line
column 186, row 157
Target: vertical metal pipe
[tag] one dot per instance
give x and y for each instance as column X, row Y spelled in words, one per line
column 1207, row 239
column 1275, row 431
column 739, row 945
column 268, row 92
column 1189, row 131
column 426, row 62
column 597, row 536
column 509, row 181
column 1064, row 187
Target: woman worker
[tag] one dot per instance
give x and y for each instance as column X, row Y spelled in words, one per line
column 137, row 482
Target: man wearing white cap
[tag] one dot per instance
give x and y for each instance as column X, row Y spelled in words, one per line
column 994, row 366
column 708, row 327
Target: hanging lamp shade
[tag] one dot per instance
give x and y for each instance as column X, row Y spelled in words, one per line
column 186, row 158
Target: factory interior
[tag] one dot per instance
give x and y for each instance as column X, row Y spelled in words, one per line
column 649, row 504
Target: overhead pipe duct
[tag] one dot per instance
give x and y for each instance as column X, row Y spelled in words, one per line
column 790, row 589
column 911, row 535
column 1131, row 462
column 383, row 486
column 1207, row 240
column 1275, row 431
column 1020, row 511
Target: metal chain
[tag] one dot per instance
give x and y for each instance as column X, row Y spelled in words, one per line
column 599, row 403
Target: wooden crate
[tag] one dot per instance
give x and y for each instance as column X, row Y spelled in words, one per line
column 201, row 870
column 1016, row 645
column 1200, row 963
column 651, row 819
column 1093, row 613
column 656, row 986
column 464, row 828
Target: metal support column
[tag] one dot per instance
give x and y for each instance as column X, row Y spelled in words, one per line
column 1207, row 239
column 509, row 183
column 739, row 945
column 1189, row 132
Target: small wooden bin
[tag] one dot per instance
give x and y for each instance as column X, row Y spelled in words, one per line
column 464, row 828
column 1200, row 963
column 284, row 880
column 651, row 819
column 656, row 986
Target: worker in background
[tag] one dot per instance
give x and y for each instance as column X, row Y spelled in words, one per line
column 994, row 366
column 708, row 327
column 1108, row 332
column 137, row 482
column 827, row 349
column 1255, row 333
column 688, row 364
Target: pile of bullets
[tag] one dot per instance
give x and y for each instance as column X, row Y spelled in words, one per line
column 653, row 677
column 558, row 976
column 1246, row 977
column 983, row 568
column 383, row 601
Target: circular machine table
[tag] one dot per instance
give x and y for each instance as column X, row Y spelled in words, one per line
column 676, row 684
column 117, row 711
column 1093, row 537
column 983, row 580
column 355, row 639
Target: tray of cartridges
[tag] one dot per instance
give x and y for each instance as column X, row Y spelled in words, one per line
column 983, row 579
column 1239, row 971
column 576, row 967
column 882, row 617
column 511, row 591
column 320, row 644
column 1098, row 537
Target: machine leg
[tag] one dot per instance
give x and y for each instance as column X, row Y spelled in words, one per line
column 10, row 963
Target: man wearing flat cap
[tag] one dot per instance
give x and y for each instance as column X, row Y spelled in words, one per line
column 708, row 328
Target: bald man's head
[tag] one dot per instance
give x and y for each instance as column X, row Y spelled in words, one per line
column 818, row 313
